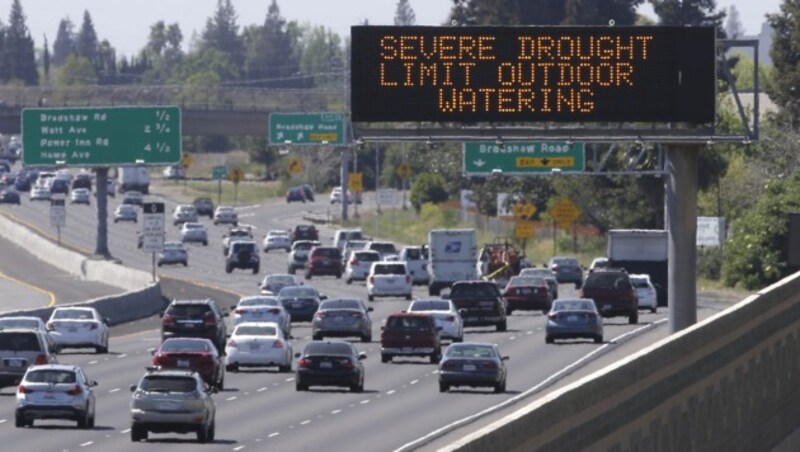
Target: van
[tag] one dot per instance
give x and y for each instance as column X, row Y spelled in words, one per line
column 343, row 235
column 21, row 348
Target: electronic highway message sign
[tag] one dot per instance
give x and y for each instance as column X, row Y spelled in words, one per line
column 523, row 74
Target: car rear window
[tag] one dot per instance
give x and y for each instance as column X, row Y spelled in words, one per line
column 260, row 301
column 298, row 292
column 188, row 310
column 168, row 384
column 573, row 305
column 328, row 348
column 473, row 291
column 367, row 256
column 607, row 281
column 430, row 306
column 54, row 376
column 303, row 246
column 19, row 341
column 253, row 330
column 78, row 314
column 19, row 323
column 470, row 351
column 340, row 304
column 567, row 262
column 383, row 247
column 390, row 269
column 183, row 345
column 419, row 323
column 526, row 281
column 327, row 252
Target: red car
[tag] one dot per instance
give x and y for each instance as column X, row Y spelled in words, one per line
column 527, row 293
column 191, row 353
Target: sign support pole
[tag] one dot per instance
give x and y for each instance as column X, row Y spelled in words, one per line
column 154, row 266
column 555, row 238
column 219, row 191
column 344, row 183
column 101, row 188
column 58, row 228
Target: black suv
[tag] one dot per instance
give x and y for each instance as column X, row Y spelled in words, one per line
column 204, row 206
column 480, row 303
column 242, row 254
column 304, row 232
column 195, row 318
column 613, row 293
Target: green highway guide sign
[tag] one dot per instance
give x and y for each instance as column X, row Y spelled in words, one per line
column 306, row 128
column 101, row 136
column 481, row 158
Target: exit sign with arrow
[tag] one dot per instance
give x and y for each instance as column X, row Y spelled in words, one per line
column 482, row 158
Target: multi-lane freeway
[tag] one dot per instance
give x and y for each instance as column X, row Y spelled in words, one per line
column 260, row 410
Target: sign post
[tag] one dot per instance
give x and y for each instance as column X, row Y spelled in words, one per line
column 564, row 212
column 58, row 216
column 236, row 176
column 306, row 128
column 219, row 173
column 153, row 229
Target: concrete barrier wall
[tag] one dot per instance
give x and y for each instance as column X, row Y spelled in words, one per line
column 731, row 382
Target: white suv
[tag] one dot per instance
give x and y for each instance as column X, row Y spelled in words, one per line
column 359, row 264
column 388, row 279
column 416, row 262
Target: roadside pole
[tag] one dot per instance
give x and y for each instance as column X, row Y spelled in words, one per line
column 101, row 188
column 343, row 170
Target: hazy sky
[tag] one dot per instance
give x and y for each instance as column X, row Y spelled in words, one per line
column 125, row 23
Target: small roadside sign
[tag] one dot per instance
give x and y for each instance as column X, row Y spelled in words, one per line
column 387, row 196
column 523, row 210
column 219, row 173
column 153, row 227
column 236, row 175
column 58, row 213
column 564, row 212
column 355, row 182
column 295, row 166
column 403, row 171
column 481, row 158
column 524, row 229
column 306, row 128
column 186, row 161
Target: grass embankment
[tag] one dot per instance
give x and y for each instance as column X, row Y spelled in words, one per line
column 246, row 193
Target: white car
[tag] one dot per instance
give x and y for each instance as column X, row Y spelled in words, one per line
column 226, row 215
column 173, row 253
column 194, row 232
column 277, row 239
column 78, row 327
column 28, row 322
column 262, row 308
column 125, row 212
column 258, row 344
column 645, row 292
column 387, row 250
column 132, row 197
column 55, row 391
column 174, row 172
column 272, row 284
column 80, row 196
column 184, row 213
column 416, row 262
column 40, row 193
column 358, row 265
column 388, row 279
column 598, row 262
column 298, row 256
column 445, row 314
column 341, row 236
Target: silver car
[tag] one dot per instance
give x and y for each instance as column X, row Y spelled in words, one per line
column 28, row 322
column 473, row 364
column 277, row 240
column 172, row 401
column 80, row 196
column 55, row 391
column 358, row 265
column 194, row 232
column 184, row 213
column 125, row 212
column 226, row 215
column 262, row 308
column 445, row 314
column 274, row 283
column 298, row 256
column 173, row 253
column 573, row 317
column 342, row 317
column 548, row 275
column 21, row 348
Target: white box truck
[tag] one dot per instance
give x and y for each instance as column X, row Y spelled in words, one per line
column 133, row 178
column 452, row 256
column 641, row 251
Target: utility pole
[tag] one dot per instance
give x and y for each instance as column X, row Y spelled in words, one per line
column 101, row 188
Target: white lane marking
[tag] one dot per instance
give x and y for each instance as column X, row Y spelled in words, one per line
column 2, row 421
column 261, row 389
column 417, row 443
column 364, row 402
column 93, row 362
column 390, row 392
column 124, row 355
column 87, row 443
column 230, row 399
column 239, row 448
column 289, row 379
column 272, row 435
column 111, row 391
column 127, row 430
column 529, row 333
column 306, row 422
column 332, row 412
column 512, row 338
column 413, row 382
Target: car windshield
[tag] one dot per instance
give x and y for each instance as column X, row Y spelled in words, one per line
column 389, row 269
column 470, row 351
column 640, row 283
column 298, row 292
column 542, row 272
column 566, row 262
column 526, row 281
column 328, row 348
column 193, row 226
column 340, row 304
column 19, row 323
column 280, row 279
column 436, row 305
column 80, row 314
column 259, row 301
column 417, row 322
column 54, row 376
column 367, row 256
column 19, row 341
column 158, row 383
column 383, row 247
column 255, row 330
column 608, row 281
column 473, row 291
column 573, row 305
column 184, row 345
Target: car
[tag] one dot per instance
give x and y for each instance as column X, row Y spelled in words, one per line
column 445, row 314
column 28, row 322
column 226, row 215
column 350, row 246
column 613, row 293
column 258, row 344
column 301, row 302
column 336, row 196
column 172, row 401
column 59, row 186
column 126, row 212
column 387, row 250
column 388, row 279
column 272, row 284
column 358, row 266
column 111, row 188
column 324, row 260
column 174, row 172
column 567, row 270
column 342, row 317
column 308, row 192
column 304, row 232
column 235, row 234
column 184, row 213
column 40, row 193
column 22, row 182
column 133, row 198
column 194, row 232
column 410, row 334
column 276, row 239
column 173, row 253
column 342, row 236
column 9, row 195
column 262, row 308
column 80, row 196
column 295, row 194
column 204, row 206
column 417, row 264
column 573, row 317
column 646, row 295
column 82, row 180
column 55, row 391
column 192, row 353
column 527, row 293
column 21, row 348
column 598, row 262
column 194, row 318
column 480, row 303
column 78, row 327
column 473, row 364
column 330, row 363
column 243, row 254
column 548, row 275
column 298, row 256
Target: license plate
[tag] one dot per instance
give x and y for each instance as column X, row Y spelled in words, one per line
column 297, row 304
column 407, row 349
column 183, row 363
column 339, row 318
column 257, row 314
column 165, row 405
column 390, row 281
column 469, row 367
column 572, row 318
column 49, row 396
column 72, row 329
column 14, row 363
column 254, row 346
column 606, row 307
column 325, row 365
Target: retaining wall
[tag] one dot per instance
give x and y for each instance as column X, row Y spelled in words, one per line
column 731, row 382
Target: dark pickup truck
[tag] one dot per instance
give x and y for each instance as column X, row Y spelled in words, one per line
column 480, row 303
column 613, row 293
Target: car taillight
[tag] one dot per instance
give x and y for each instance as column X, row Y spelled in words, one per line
column 553, row 316
column 41, row 359
column 93, row 326
column 232, row 343
column 303, row 363
column 321, row 315
column 450, row 365
column 51, row 326
column 275, row 311
column 238, row 311
column 209, row 320
column 75, row 391
column 168, row 320
column 277, row 344
column 22, row 389
column 450, row 318
column 355, row 315
column 353, row 262
column 372, row 280
column 489, row 365
column 346, row 363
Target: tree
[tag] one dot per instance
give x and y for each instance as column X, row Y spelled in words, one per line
column 221, row 33
column 77, row 71
column 404, row 14
column 271, row 59
column 18, row 55
column 323, row 55
column 428, row 187
column 785, row 53
column 46, row 61
column 64, row 43
column 106, row 63
column 733, row 25
column 86, row 41
column 688, row 12
column 158, row 37
column 507, row 12
column 601, row 12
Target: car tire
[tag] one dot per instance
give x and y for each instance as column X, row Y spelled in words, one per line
column 83, row 419
column 371, row 297
column 509, row 311
column 232, row 368
column 366, row 338
column 434, row 290
column 502, row 326
column 435, row 357
column 159, row 264
column 356, row 388
column 408, row 297
column 653, row 310
column 633, row 319
column 91, row 421
column 386, row 358
column 317, row 336
column 228, row 269
column 101, row 350
column 548, row 340
column 203, row 433
column 500, row 388
column 443, row 387
column 458, row 339
column 300, row 387
column 290, row 270
column 308, row 275
column 348, row 281
column 285, row 369
column 221, row 383
column 205, row 242
column 19, row 420
column 598, row 339
column 212, row 431
column 138, row 434
column 255, row 270
column 338, row 276
column 185, row 263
